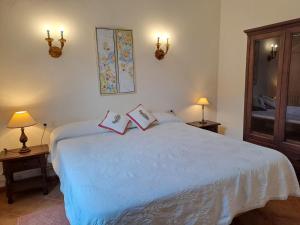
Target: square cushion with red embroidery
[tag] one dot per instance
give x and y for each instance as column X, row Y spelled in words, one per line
column 141, row 117
column 115, row 122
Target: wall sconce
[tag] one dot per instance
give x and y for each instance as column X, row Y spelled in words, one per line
column 55, row 51
column 160, row 53
column 273, row 52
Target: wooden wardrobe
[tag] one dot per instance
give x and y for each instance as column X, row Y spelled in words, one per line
column 272, row 96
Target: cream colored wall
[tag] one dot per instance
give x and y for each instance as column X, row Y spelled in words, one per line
column 236, row 16
column 58, row 91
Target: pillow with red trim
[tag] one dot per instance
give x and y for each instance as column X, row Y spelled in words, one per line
column 141, row 117
column 115, row 122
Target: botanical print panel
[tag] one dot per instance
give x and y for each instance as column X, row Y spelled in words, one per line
column 125, row 60
column 116, row 66
column 107, row 61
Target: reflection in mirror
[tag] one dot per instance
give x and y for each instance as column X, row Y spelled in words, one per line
column 292, row 127
column 265, row 71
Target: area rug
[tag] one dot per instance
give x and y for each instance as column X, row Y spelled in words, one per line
column 50, row 216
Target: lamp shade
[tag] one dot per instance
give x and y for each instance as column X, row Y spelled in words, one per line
column 202, row 101
column 21, row 119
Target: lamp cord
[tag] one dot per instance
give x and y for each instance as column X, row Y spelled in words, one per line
column 43, row 134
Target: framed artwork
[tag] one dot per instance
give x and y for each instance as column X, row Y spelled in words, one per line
column 115, row 61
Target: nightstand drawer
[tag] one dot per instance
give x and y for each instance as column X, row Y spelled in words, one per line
column 25, row 164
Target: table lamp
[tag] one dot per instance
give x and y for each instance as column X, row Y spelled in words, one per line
column 21, row 120
column 202, row 102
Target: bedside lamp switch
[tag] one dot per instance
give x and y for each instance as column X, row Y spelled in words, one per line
column 4, row 151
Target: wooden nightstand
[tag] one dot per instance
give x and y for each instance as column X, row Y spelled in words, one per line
column 14, row 162
column 209, row 125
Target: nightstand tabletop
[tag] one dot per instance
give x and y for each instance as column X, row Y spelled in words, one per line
column 14, row 153
column 207, row 124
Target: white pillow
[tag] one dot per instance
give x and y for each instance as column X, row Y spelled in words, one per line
column 166, row 117
column 259, row 103
column 161, row 117
column 115, row 122
column 76, row 129
column 141, row 117
column 269, row 101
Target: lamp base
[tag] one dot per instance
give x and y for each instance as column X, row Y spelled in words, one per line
column 24, row 150
column 23, row 140
column 203, row 122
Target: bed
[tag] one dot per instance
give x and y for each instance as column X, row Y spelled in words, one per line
column 172, row 173
column 292, row 116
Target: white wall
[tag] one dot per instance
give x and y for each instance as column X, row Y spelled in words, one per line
column 237, row 16
column 58, row 91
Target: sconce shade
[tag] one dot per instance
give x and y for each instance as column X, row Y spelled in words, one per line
column 21, row 119
column 202, row 101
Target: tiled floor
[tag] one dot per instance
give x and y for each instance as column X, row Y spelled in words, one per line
column 275, row 213
column 26, row 203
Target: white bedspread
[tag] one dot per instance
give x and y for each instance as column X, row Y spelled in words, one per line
column 171, row 174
